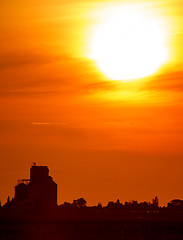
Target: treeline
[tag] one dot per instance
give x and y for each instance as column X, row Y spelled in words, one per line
column 132, row 205
column 116, row 209
column 79, row 209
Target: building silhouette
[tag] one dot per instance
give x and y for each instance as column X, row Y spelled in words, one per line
column 37, row 195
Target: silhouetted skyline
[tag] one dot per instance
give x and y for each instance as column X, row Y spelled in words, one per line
column 37, row 197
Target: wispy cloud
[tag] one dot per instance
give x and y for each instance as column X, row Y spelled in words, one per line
column 171, row 81
column 49, row 123
column 20, row 59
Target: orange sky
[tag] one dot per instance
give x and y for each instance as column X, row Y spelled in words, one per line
column 102, row 139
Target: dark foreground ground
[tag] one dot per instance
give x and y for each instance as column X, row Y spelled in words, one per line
column 126, row 229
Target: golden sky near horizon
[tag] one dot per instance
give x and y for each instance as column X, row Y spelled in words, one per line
column 102, row 139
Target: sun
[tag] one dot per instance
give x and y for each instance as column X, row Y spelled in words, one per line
column 129, row 44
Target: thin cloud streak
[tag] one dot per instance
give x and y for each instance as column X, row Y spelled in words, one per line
column 48, row 123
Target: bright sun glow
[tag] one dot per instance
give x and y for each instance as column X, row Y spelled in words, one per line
column 129, row 44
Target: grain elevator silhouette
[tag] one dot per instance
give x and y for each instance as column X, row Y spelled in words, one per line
column 38, row 194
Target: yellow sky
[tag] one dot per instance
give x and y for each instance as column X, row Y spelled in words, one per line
column 102, row 139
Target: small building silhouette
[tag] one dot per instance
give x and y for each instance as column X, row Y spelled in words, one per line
column 21, row 191
column 37, row 195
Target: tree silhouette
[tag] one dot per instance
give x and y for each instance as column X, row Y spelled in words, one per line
column 80, row 203
column 99, row 205
column 155, row 201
